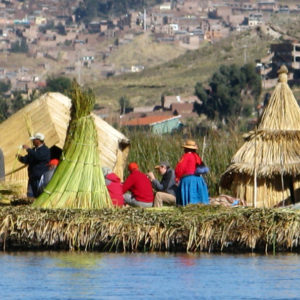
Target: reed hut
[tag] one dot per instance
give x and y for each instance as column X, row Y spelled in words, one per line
column 50, row 114
column 265, row 171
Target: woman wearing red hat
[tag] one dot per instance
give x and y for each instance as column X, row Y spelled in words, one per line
column 192, row 188
column 140, row 187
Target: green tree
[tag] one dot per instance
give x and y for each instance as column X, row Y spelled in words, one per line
column 19, row 46
column 17, row 102
column 59, row 84
column 124, row 105
column 4, row 114
column 60, row 28
column 5, row 86
column 229, row 87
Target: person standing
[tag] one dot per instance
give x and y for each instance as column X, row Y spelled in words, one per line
column 37, row 159
column 166, row 188
column 140, row 187
column 192, row 188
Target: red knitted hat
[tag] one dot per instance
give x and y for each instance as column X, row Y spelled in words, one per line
column 133, row 166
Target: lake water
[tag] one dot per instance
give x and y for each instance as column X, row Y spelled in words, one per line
column 65, row 275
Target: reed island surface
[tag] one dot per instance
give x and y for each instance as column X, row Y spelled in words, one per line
column 193, row 228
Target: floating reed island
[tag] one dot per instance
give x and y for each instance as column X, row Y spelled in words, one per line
column 193, row 228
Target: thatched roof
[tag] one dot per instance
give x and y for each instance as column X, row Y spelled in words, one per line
column 274, row 148
column 50, row 114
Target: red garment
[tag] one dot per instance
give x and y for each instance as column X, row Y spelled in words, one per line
column 132, row 166
column 187, row 164
column 115, row 189
column 139, row 185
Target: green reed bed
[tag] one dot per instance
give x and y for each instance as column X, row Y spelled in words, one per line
column 189, row 229
column 217, row 148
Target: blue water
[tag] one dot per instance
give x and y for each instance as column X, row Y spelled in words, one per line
column 65, row 275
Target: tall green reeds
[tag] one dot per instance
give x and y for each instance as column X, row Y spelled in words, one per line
column 148, row 149
column 78, row 181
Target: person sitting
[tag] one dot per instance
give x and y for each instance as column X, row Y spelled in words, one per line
column 140, row 187
column 114, row 187
column 192, row 188
column 166, row 188
column 46, row 177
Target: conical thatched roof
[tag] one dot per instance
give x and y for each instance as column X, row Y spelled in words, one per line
column 274, row 148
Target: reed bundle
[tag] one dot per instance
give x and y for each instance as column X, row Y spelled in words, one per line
column 78, row 181
column 193, row 228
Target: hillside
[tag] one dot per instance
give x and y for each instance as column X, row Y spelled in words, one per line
column 180, row 75
column 144, row 51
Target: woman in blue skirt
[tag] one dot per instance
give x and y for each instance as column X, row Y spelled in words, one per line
column 192, row 189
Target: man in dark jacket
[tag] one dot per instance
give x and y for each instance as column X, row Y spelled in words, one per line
column 37, row 159
column 166, row 188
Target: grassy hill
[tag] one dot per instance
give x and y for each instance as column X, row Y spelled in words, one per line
column 144, row 51
column 180, row 75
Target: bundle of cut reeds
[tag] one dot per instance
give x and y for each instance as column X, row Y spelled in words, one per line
column 78, row 181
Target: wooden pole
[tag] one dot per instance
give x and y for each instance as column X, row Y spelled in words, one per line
column 255, row 172
column 281, row 176
column 203, row 147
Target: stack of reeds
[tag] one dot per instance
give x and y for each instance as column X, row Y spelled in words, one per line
column 78, row 181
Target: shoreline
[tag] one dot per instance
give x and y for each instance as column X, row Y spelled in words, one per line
column 194, row 228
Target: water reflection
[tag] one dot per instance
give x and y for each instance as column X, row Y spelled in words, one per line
column 82, row 275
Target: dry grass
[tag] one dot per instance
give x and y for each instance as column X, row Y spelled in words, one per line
column 142, row 50
column 189, row 229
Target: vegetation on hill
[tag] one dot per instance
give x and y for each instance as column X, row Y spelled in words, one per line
column 180, row 75
column 233, row 93
column 90, row 9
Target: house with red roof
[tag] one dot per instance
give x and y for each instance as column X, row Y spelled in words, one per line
column 158, row 124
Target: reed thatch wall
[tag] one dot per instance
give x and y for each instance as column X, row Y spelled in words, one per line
column 193, row 228
column 50, row 114
column 269, row 160
column 269, row 191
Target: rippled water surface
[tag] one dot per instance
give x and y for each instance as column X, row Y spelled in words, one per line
column 65, row 275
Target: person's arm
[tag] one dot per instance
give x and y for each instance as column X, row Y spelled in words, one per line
column 23, row 159
column 165, row 183
column 127, row 184
column 157, row 185
column 180, row 168
column 42, row 154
